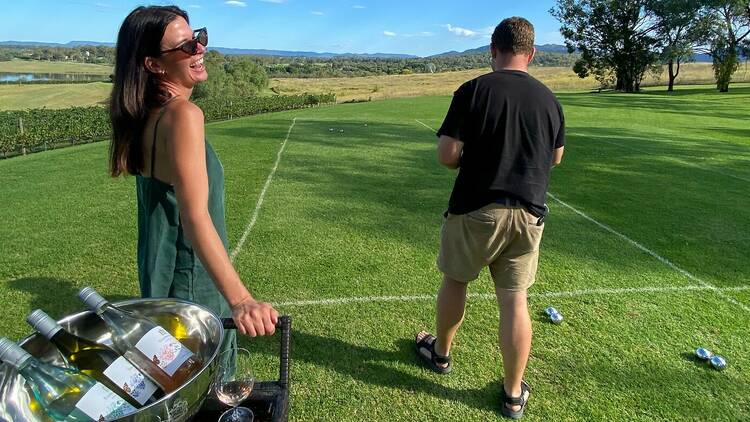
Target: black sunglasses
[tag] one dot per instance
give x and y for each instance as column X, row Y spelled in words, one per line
column 190, row 47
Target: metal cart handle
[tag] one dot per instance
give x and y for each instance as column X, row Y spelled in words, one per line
column 284, row 325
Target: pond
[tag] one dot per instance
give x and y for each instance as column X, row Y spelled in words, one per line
column 61, row 77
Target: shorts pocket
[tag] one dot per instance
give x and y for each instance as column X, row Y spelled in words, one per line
column 482, row 216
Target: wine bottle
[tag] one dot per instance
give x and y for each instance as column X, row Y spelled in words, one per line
column 148, row 346
column 97, row 361
column 65, row 394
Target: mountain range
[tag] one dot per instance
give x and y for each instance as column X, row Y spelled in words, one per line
column 549, row 48
column 552, row 48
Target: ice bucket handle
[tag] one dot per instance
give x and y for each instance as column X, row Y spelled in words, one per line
column 284, row 325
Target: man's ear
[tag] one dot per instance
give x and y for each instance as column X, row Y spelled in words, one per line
column 493, row 52
column 153, row 66
column 533, row 53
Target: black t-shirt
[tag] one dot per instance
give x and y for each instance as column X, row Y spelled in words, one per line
column 510, row 124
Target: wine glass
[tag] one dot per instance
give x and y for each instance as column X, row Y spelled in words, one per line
column 234, row 388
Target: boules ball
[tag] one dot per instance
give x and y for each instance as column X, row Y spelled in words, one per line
column 718, row 362
column 556, row 318
column 703, row 354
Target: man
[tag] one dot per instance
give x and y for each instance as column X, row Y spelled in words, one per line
column 504, row 131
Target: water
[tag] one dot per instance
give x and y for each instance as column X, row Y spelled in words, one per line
column 62, row 77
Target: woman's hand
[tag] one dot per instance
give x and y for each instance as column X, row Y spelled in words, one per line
column 254, row 318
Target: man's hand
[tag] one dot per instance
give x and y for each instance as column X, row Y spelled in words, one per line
column 557, row 156
column 449, row 151
column 254, row 318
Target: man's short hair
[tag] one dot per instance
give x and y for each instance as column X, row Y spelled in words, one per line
column 514, row 35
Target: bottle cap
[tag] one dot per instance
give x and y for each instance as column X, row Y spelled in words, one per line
column 43, row 323
column 12, row 354
column 91, row 298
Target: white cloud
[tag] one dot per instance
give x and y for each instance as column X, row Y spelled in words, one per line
column 389, row 34
column 235, row 3
column 358, row 6
column 462, row 32
column 317, row 13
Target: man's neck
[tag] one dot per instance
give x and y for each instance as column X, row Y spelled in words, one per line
column 518, row 63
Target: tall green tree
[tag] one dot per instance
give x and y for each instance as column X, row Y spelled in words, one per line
column 682, row 25
column 230, row 77
column 729, row 37
column 616, row 39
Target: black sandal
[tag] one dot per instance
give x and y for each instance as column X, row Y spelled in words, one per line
column 426, row 351
column 515, row 401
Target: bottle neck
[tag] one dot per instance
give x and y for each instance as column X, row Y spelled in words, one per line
column 26, row 367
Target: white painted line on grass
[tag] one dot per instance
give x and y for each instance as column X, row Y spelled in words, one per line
column 660, row 258
column 420, row 122
column 488, row 296
column 256, row 211
column 684, row 162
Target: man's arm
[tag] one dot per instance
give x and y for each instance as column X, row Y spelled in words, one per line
column 557, row 157
column 449, row 151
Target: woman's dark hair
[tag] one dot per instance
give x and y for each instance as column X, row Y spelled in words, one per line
column 136, row 91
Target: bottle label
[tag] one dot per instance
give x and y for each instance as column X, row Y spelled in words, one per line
column 131, row 380
column 101, row 404
column 164, row 350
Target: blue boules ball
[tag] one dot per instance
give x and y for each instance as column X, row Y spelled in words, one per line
column 550, row 310
column 703, row 354
column 556, row 318
column 718, row 362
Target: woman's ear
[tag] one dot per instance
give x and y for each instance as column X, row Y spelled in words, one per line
column 153, row 66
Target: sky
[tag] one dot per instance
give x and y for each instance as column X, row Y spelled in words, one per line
column 418, row 27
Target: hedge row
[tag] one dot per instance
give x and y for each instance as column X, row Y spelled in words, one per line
column 25, row 131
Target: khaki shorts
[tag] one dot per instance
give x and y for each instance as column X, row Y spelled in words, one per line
column 504, row 238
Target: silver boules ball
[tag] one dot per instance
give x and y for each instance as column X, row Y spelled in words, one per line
column 556, row 318
column 550, row 310
column 703, row 354
column 365, row 124
column 341, row 131
column 718, row 362
column 330, row 130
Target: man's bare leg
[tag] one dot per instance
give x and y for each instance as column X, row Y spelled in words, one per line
column 515, row 338
column 450, row 314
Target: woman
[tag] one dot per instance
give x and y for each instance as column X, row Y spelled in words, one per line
column 158, row 135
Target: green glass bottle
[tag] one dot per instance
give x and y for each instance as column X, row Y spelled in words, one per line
column 65, row 394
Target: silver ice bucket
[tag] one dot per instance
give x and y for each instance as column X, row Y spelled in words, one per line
column 194, row 325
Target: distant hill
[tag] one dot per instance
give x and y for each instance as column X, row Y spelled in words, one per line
column 71, row 44
column 283, row 53
column 223, row 50
column 547, row 48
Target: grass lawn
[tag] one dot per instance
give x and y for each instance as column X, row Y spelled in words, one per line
column 38, row 66
column 18, row 97
column 644, row 253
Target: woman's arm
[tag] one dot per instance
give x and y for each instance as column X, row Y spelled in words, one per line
column 187, row 157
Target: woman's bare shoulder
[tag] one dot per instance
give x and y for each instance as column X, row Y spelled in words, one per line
column 181, row 109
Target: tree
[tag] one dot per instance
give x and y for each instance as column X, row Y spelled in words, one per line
column 247, row 78
column 616, row 39
column 728, row 38
column 681, row 26
column 230, row 77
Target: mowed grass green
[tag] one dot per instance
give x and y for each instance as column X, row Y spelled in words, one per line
column 21, row 97
column 356, row 214
column 39, row 66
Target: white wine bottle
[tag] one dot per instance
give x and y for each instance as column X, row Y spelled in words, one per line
column 65, row 394
column 97, row 361
column 148, row 346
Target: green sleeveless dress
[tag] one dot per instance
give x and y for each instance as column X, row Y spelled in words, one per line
column 168, row 266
